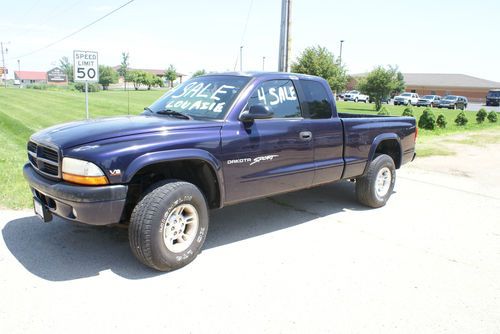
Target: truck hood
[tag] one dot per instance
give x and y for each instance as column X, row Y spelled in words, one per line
column 83, row 132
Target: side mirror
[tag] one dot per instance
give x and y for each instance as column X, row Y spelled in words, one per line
column 257, row 111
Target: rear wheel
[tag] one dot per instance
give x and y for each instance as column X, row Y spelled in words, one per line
column 376, row 186
column 169, row 225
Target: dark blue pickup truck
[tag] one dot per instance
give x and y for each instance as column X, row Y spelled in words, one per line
column 213, row 141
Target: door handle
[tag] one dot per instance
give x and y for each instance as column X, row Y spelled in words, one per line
column 305, row 135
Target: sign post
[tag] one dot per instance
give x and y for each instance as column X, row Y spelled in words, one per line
column 85, row 69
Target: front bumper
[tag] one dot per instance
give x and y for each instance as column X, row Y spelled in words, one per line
column 424, row 104
column 100, row 205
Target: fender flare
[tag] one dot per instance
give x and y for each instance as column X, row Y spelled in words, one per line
column 377, row 141
column 176, row 155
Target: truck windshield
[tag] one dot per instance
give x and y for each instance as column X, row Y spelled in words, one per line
column 204, row 97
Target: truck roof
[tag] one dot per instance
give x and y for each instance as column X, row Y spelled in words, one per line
column 258, row 74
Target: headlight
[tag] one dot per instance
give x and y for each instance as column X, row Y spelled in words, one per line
column 82, row 172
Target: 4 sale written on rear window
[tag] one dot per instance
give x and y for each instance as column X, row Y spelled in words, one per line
column 86, row 67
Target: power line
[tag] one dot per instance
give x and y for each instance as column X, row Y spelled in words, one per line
column 75, row 32
column 49, row 18
column 244, row 32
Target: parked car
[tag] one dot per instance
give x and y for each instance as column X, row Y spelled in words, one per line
column 493, row 97
column 356, row 96
column 428, row 101
column 453, row 102
column 213, row 141
column 406, row 99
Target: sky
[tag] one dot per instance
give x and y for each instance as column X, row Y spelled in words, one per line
column 419, row 37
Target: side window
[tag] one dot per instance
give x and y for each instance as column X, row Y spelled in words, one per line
column 316, row 99
column 279, row 96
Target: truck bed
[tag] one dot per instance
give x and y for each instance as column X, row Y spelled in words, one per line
column 363, row 132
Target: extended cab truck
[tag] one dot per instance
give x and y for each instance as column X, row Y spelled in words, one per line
column 213, row 141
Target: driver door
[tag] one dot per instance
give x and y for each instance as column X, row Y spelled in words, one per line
column 268, row 156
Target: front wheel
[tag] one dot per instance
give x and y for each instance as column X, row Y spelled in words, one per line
column 169, row 225
column 376, row 186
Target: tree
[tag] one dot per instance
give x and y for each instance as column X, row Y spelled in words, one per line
column 321, row 62
column 122, row 71
column 399, row 85
column 136, row 77
column 150, row 80
column 107, row 76
column 139, row 78
column 198, row 73
column 380, row 83
column 171, row 74
column 67, row 68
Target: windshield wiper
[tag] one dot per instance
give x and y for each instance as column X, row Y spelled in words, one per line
column 169, row 112
column 174, row 113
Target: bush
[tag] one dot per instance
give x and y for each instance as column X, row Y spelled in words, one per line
column 383, row 112
column 93, row 87
column 427, row 120
column 37, row 86
column 481, row 115
column 408, row 112
column 461, row 119
column 441, row 121
column 492, row 117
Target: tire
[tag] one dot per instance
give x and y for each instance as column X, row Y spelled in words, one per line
column 356, row 100
column 180, row 207
column 375, row 188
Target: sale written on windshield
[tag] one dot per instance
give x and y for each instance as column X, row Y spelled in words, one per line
column 86, row 67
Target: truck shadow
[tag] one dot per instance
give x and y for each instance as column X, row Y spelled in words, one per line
column 62, row 251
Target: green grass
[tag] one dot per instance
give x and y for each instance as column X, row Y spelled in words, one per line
column 25, row 111
column 367, row 108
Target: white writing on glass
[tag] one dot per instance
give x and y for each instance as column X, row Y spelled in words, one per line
column 204, row 92
column 276, row 96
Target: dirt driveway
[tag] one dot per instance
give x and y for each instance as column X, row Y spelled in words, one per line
column 313, row 261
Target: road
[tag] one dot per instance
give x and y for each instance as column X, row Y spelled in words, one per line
column 313, row 261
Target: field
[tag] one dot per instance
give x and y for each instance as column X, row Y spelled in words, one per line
column 25, row 111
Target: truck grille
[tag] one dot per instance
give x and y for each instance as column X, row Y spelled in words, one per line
column 44, row 159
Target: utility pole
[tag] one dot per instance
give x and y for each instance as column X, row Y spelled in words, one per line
column 340, row 55
column 241, row 58
column 18, row 65
column 263, row 63
column 285, row 36
column 3, row 64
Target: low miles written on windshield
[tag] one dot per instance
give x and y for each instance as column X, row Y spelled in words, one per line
column 208, row 97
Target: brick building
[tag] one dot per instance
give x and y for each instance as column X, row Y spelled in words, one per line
column 475, row 89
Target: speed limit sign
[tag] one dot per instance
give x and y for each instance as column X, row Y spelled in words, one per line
column 86, row 67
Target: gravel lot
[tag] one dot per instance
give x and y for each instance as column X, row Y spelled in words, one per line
column 313, row 261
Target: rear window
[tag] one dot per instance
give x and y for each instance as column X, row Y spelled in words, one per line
column 316, row 99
